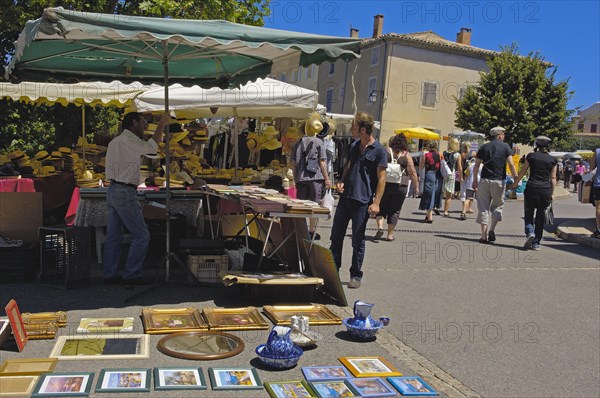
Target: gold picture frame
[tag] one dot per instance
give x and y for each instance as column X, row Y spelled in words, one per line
column 171, row 320
column 17, row 386
column 246, row 318
column 95, row 347
column 317, row 314
column 59, row 317
column 369, row 366
column 27, row 366
column 105, row 325
column 41, row 331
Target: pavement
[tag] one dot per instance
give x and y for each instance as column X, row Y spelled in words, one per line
column 472, row 320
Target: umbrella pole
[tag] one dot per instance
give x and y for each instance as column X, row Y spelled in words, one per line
column 236, row 180
column 83, row 133
column 168, row 159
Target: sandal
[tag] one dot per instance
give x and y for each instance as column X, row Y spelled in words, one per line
column 390, row 239
column 463, row 216
column 436, row 212
column 446, row 214
column 379, row 233
column 596, row 234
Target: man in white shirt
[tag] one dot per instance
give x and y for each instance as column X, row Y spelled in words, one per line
column 123, row 160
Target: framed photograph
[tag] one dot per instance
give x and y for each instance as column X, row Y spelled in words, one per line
column 234, row 378
column 314, row 373
column 317, row 314
column 16, row 324
column 179, row 378
column 105, row 325
column 369, row 366
column 201, row 345
column 73, row 384
column 41, row 331
column 124, row 380
column 372, row 387
column 412, row 386
column 285, row 389
column 333, row 388
column 85, row 346
column 4, row 330
column 17, row 386
column 59, row 317
column 170, row 320
column 247, row 318
column 27, row 366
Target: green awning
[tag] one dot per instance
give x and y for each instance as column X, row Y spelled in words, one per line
column 69, row 45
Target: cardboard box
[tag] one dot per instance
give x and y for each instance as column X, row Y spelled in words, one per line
column 21, row 215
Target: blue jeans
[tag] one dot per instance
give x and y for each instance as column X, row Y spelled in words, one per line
column 536, row 227
column 124, row 211
column 349, row 209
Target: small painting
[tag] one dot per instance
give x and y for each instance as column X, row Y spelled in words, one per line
column 120, row 380
column 170, row 320
column 412, row 386
column 75, row 384
column 369, row 366
column 333, row 388
column 372, row 387
column 313, row 373
column 235, row 378
column 105, row 325
column 179, row 378
column 79, row 347
column 247, row 318
column 286, row 389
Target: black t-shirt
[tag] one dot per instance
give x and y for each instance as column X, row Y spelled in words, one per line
column 493, row 159
column 540, row 169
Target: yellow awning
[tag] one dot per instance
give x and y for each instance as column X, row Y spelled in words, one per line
column 418, row 132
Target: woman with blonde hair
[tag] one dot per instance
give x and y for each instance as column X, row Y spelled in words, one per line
column 452, row 157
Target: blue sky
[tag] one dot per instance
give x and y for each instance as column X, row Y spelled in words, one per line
column 566, row 33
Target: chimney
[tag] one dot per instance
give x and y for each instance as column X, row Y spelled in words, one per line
column 464, row 36
column 378, row 26
column 354, row 33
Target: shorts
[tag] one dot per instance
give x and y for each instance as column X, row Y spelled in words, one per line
column 469, row 194
column 596, row 193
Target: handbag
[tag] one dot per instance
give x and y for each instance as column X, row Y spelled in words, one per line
column 312, row 164
column 445, row 169
column 328, row 202
column 549, row 215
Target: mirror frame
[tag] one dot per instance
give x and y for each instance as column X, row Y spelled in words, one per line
column 162, row 346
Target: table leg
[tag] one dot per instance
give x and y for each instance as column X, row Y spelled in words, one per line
column 99, row 242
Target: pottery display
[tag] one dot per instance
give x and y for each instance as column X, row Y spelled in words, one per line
column 279, row 352
column 362, row 326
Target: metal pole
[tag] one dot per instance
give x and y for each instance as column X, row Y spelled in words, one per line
column 167, row 159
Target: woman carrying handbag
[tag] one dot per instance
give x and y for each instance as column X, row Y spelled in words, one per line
column 538, row 191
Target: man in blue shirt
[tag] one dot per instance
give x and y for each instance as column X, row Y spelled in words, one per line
column 361, row 188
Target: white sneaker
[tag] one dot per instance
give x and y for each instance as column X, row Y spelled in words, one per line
column 529, row 241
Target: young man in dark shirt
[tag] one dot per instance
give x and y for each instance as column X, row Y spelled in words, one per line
column 492, row 158
column 361, row 189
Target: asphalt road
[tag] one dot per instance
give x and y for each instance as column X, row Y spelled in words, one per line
column 472, row 319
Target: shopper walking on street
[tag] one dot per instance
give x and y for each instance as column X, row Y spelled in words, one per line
column 538, row 191
column 396, row 185
column 452, row 157
column 361, row 189
column 492, row 159
column 431, row 196
column 594, row 163
column 123, row 160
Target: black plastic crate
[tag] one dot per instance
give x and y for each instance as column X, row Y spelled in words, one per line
column 65, row 256
column 18, row 264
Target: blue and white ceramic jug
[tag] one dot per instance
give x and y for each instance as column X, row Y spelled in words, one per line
column 279, row 343
column 362, row 314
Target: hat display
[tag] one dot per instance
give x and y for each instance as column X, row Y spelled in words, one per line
column 41, row 155
column 313, row 125
column 18, row 155
column 271, row 144
column 497, row 131
column 329, row 128
column 270, row 130
column 64, row 150
column 56, row 155
column 177, row 136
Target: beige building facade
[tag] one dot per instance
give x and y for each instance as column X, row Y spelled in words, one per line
column 404, row 80
column 587, row 121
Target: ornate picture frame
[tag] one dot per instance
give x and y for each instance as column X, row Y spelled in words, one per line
column 59, row 318
column 171, row 320
column 105, row 325
column 246, row 318
column 317, row 314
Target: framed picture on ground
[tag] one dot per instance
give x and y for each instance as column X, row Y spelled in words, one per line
column 412, row 386
column 317, row 314
column 4, row 330
column 234, row 378
column 369, row 366
column 333, row 388
column 285, row 389
column 59, row 317
column 314, row 373
column 179, row 378
column 16, row 324
column 73, row 384
column 105, row 325
column 85, row 346
column 41, row 331
column 17, row 386
column 27, row 366
column 372, row 387
column 124, row 380
column 247, row 318
column 170, row 320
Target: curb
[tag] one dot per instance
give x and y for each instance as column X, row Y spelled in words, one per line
column 576, row 235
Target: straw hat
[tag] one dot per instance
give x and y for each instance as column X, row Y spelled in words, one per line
column 329, row 128
column 270, row 130
column 314, row 125
column 64, row 150
column 17, row 156
column 176, row 137
column 56, row 155
column 41, row 155
column 271, row 144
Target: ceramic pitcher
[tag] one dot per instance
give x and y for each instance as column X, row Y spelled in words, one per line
column 362, row 314
column 279, row 343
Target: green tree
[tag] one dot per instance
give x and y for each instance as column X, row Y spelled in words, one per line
column 32, row 128
column 520, row 94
